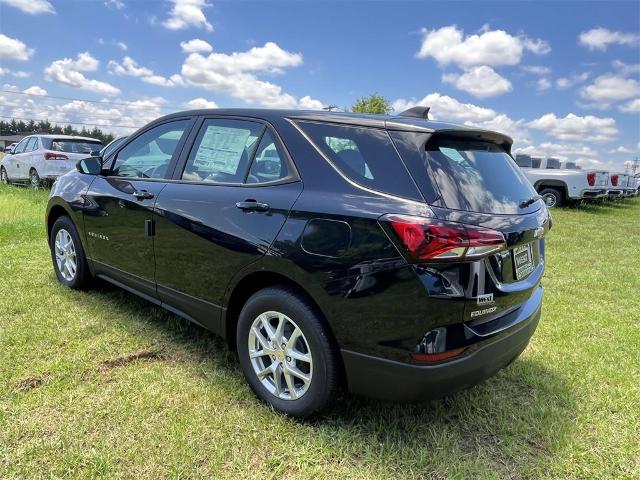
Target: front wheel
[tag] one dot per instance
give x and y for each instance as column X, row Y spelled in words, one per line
column 4, row 179
column 67, row 254
column 552, row 197
column 286, row 352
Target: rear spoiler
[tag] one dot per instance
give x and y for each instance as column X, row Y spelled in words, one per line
column 501, row 139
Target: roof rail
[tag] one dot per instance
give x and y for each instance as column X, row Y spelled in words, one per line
column 417, row 112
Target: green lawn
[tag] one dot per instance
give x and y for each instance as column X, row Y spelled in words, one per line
column 102, row 384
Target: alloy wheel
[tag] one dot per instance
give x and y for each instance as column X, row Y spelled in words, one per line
column 3, row 176
column 280, row 355
column 550, row 200
column 65, row 252
column 34, row 179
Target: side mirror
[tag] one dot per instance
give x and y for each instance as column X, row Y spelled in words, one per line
column 8, row 150
column 90, row 165
column 95, row 153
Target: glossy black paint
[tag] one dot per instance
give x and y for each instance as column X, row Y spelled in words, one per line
column 319, row 232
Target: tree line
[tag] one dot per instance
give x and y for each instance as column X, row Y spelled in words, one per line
column 14, row 127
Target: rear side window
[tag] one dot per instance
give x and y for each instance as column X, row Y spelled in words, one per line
column 478, row 177
column 536, row 162
column 365, row 155
column 553, row 163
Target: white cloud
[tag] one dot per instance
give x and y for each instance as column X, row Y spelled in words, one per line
column 536, row 69
column 601, row 38
column 114, row 4
column 186, row 13
column 625, row 68
column 130, row 67
column 444, row 107
column 14, row 49
column 32, row 7
column 14, row 73
column 543, row 84
column 491, row 47
column 235, row 74
column 566, row 82
column 310, row 103
column 71, row 72
column 122, row 46
column 481, row 82
column 35, row 90
column 200, row 103
column 196, row 45
column 626, row 150
column 610, row 87
column 575, row 128
column 632, row 106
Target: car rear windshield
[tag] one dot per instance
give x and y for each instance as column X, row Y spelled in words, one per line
column 478, row 176
column 68, row 145
column 365, row 155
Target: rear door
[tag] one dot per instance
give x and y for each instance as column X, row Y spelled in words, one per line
column 118, row 213
column 230, row 196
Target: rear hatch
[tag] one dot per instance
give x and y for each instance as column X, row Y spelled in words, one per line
column 601, row 179
column 479, row 186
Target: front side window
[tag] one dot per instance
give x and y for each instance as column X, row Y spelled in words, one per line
column 149, row 155
column 365, row 155
column 21, row 146
column 223, row 151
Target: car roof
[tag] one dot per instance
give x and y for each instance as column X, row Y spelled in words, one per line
column 66, row 137
column 389, row 122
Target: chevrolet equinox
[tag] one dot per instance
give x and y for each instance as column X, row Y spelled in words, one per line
column 393, row 255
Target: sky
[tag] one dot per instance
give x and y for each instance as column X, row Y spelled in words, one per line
column 561, row 78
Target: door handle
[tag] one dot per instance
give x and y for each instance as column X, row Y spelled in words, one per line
column 142, row 194
column 249, row 205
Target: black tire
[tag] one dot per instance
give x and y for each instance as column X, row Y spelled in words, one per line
column 81, row 278
column 34, row 179
column 4, row 178
column 552, row 197
column 325, row 372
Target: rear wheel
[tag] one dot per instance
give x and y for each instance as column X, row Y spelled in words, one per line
column 67, row 254
column 286, row 353
column 3, row 176
column 552, row 197
column 34, row 179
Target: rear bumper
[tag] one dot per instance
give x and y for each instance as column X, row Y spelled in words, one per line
column 593, row 194
column 614, row 193
column 403, row 382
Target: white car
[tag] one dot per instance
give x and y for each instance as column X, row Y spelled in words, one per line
column 39, row 159
column 558, row 185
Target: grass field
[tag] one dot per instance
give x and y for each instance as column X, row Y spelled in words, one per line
column 102, row 384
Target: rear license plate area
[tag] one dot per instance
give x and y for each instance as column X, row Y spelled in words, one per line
column 523, row 261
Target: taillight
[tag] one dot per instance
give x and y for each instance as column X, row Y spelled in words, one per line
column 55, row 156
column 431, row 239
column 614, row 180
column 591, row 178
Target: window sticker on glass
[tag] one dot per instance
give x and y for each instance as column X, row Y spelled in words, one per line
column 221, row 148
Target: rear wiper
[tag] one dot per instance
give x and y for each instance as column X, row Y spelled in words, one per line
column 529, row 201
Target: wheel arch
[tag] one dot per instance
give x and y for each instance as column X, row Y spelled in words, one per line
column 55, row 212
column 557, row 184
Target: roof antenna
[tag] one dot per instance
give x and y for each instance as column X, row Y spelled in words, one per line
column 417, row 112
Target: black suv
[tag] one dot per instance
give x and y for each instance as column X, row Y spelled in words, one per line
column 394, row 255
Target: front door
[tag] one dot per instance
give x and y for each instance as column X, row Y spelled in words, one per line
column 221, row 212
column 118, row 211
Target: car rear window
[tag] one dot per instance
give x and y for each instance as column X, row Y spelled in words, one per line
column 478, row 176
column 365, row 155
column 70, row 145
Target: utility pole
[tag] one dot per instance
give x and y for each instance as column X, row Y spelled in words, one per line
column 635, row 166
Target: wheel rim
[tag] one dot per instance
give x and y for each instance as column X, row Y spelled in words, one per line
column 280, row 355
column 65, row 252
column 35, row 180
column 550, row 199
column 3, row 176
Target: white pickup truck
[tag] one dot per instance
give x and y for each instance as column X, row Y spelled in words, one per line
column 559, row 185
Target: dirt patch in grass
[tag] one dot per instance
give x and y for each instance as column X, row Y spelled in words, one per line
column 29, row 383
column 133, row 357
